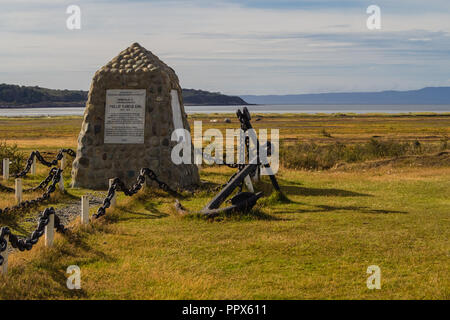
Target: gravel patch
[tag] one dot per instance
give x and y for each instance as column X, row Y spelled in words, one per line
column 71, row 210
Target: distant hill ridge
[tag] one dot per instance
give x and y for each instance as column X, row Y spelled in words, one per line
column 25, row 96
column 430, row 95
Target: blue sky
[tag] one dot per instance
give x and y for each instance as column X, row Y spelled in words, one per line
column 236, row 47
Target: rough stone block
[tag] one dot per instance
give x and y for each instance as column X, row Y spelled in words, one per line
column 96, row 162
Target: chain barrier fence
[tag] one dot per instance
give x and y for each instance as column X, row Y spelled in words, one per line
column 48, row 220
column 23, row 244
column 55, row 176
column 37, row 155
column 43, row 184
column 119, row 185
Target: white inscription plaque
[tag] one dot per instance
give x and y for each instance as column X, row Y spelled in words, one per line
column 125, row 116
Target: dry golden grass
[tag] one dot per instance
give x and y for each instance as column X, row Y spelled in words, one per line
column 318, row 245
column 55, row 132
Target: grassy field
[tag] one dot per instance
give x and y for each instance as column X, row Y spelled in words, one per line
column 317, row 245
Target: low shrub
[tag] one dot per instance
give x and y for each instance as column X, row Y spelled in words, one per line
column 16, row 157
column 312, row 156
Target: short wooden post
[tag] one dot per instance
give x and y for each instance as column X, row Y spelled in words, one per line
column 257, row 175
column 63, row 162
column 5, row 169
column 19, row 195
column 248, row 183
column 61, row 183
column 33, row 167
column 50, row 231
column 4, row 254
column 84, row 210
column 114, row 199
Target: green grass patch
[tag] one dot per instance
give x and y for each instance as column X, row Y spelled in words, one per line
column 316, row 246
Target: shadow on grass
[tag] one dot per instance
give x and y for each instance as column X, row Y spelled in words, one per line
column 252, row 215
column 315, row 192
column 326, row 208
column 133, row 214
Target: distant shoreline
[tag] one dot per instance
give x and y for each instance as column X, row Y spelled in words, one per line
column 235, row 105
column 41, row 107
column 254, row 109
column 83, row 106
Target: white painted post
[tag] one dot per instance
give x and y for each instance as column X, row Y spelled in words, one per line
column 4, row 254
column 19, row 195
column 257, row 176
column 84, row 210
column 5, row 169
column 33, row 167
column 63, row 162
column 61, row 183
column 248, row 183
column 114, row 199
column 50, row 231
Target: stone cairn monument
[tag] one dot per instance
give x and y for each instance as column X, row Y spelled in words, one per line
column 134, row 105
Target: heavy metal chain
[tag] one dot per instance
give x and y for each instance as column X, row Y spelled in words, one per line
column 41, row 185
column 41, row 159
column 6, row 189
column 27, row 243
column 44, row 182
column 45, row 196
column 119, row 185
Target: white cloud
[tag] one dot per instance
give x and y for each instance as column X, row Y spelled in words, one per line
column 420, row 39
column 225, row 46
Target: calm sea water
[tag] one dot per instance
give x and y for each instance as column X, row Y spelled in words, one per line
column 311, row 109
